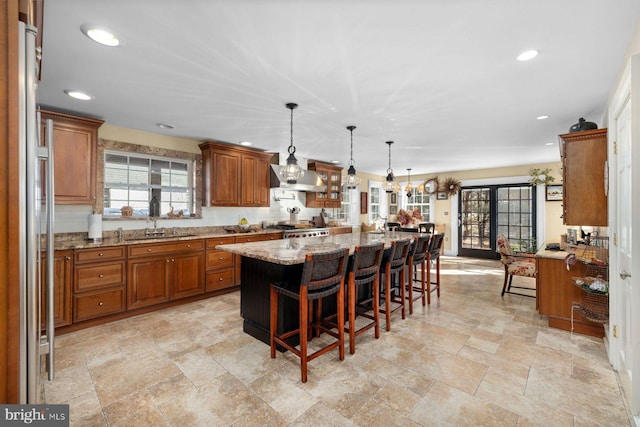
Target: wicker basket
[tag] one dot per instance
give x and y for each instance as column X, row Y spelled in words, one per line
column 594, row 304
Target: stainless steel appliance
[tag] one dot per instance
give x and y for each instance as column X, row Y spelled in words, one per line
column 36, row 228
column 291, row 231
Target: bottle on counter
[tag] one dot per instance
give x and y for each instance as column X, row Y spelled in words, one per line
column 154, row 207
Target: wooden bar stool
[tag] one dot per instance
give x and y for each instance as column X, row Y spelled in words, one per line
column 418, row 257
column 322, row 275
column 365, row 270
column 394, row 271
column 434, row 256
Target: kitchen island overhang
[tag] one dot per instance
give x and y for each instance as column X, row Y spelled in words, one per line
column 282, row 260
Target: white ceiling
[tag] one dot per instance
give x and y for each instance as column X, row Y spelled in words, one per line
column 437, row 77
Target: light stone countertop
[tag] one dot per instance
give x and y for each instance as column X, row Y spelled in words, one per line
column 83, row 243
column 293, row 251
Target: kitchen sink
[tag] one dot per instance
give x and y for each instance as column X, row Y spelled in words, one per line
column 158, row 236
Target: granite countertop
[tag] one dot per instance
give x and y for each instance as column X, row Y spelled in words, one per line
column 544, row 253
column 293, row 251
column 139, row 238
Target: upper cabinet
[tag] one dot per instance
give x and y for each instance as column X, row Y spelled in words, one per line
column 584, row 175
column 75, row 142
column 332, row 176
column 234, row 176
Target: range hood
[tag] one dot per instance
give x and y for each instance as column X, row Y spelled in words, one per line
column 310, row 181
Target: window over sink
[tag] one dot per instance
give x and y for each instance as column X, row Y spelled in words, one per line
column 133, row 179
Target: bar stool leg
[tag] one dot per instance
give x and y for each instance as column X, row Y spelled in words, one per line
column 402, row 288
column 410, row 287
column 387, row 295
column 351, row 291
column 304, row 316
column 423, row 278
column 428, row 261
column 340, row 320
column 376, row 305
column 438, row 276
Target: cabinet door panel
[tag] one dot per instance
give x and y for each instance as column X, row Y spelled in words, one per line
column 148, row 282
column 62, row 278
column 187, row 275
column 226, row 179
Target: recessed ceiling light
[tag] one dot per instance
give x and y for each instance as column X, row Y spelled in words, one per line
column 245, row 143
column 335, row 161
column 78, row 95
column 100, row 35
column 529, row 54
column 165, row 126
column 549, row 143
column 543, row 117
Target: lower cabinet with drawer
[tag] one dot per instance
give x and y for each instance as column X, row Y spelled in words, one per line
column 220, row 265
column 160, row 272
column 99, row 285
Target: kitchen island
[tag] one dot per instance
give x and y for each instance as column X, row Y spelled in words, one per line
column 282, row 260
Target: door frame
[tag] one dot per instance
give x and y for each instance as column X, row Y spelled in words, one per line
column 628, row 90
column 540, row 207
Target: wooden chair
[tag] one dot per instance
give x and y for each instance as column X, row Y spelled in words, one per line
column 394, row 272
column 435, row 247
column 515, row 265
column 391, row 226
column 418, row 257
column 365, row 270
column 322, row 275
column 426, row 227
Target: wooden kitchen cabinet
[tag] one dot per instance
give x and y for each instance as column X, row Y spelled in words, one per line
column 234, row 176
column 220, row 265
column 99, row 282
column 255, row 180
column 584, row 163
column 62, row 280
column 331, row 176
column 556, row 294
column 160, row 272
column 75, row 148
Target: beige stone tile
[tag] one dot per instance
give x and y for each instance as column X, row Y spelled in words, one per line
column 167, row 389
column 284, row 396
column 533, row 355
column 390, row 371
column 136, row 409
column 447, row 406
column 68, row 384
column 375, row 413
column 199, row 367
column 116, row 379
column 397, row 398
column 85, row 410
column 321, row 414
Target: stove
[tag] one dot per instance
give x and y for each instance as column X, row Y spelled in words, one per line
column 291, row 231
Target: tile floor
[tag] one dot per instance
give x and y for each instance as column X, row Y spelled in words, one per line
column 470, row 359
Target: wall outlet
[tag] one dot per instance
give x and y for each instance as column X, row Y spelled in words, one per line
column 445, row 213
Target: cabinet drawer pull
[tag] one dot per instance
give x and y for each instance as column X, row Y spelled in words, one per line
column 220, row 279
column 221, row 258
column 167, row 260
column 101, row 275
column 188, row 246
column 68, row 257
column 100, row 304
column 100, row 254
column 149, row 250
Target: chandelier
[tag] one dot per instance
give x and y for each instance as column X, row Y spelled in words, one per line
column 351, row 180
column 292, row 171
column 390, row 185
column 409, row 187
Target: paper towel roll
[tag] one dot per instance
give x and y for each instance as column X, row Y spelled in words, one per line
column 95, row 226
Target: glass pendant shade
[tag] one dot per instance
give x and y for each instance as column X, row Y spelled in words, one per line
column 351, row 181
column 292, row 171
column 390, row 185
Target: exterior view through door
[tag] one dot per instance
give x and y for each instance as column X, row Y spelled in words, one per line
column 487, row 211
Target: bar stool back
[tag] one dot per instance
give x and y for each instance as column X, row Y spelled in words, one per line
column 434, row 256
column 322, row 275
column 394, row 271
column 418, row 257
column 365, row 270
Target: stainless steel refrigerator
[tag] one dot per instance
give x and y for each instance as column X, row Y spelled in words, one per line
column 36, row 228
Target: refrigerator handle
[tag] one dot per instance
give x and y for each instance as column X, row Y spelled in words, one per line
column 50, row 293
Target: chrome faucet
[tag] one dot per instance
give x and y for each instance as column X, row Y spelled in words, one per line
column 155, row 231
column 120, row 234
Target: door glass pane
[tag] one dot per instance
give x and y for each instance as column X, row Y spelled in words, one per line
column 475, row 216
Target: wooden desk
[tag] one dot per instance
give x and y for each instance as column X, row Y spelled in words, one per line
column 556, row 293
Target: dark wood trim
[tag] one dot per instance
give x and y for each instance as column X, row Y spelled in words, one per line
column 9, row 220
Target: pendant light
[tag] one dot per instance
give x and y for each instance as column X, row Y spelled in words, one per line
column 351, row 180
column 390, row 185
column 292, row 171
column 409, row 187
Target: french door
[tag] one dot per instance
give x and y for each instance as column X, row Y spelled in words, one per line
column 486, row 211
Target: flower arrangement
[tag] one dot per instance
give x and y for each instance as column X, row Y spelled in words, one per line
column 451, row 186
column 405, row 217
